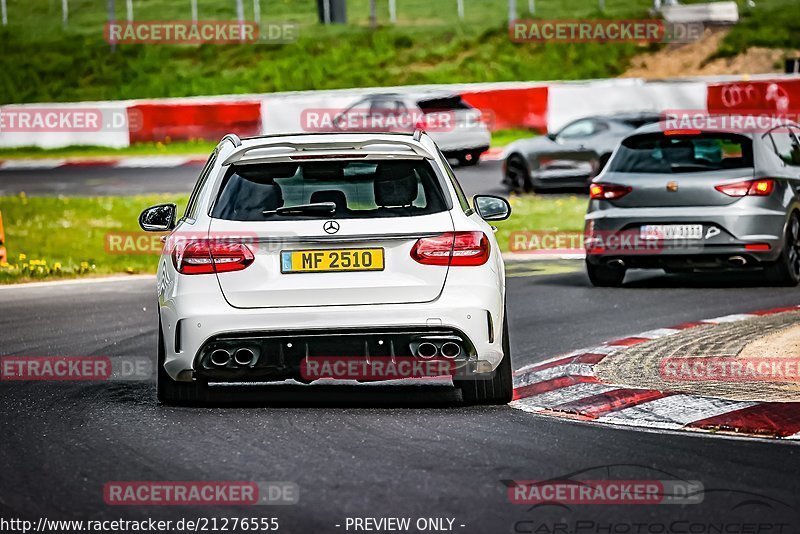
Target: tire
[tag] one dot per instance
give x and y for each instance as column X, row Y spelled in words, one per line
column 517, row 176
column 604, row 276
column 170, row 392
column 497, row 390
column 786, row 271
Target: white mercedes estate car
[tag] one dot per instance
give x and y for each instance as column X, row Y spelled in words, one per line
column 355, row 246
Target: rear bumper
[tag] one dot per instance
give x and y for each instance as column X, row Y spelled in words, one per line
column 462, row 140
column 727, row 231
column 194, row 319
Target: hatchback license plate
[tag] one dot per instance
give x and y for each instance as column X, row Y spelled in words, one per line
column 672, row 231
column 332, row 260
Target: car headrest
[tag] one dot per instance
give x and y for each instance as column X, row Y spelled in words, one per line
column 395, row 185
column 330, row 195
column 680, row 151
column 323, row 171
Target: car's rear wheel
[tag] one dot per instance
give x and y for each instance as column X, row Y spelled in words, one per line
column 517, row 177
column 174, row 393
column 499, row 389
column 786, row 271
column 605, row 276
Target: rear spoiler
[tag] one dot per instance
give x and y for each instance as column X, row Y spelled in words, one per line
column 287, row 148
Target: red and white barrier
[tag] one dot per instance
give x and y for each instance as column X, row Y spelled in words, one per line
column 539, row 106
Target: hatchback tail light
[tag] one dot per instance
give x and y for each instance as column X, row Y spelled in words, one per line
column 606, row 191
column 756, row 188
column 208, row 257
column 452, row 248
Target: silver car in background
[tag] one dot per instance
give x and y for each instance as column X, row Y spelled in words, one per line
column 572, row 156
column 458, row 129
column 695, row 200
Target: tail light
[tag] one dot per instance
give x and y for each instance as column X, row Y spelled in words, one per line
column 452, row 248
column 208, row 257
column 606, row 191
column 755, row 188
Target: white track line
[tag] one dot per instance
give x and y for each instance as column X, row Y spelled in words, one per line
column 567, row 394
column 674, row 411
column 77, row 281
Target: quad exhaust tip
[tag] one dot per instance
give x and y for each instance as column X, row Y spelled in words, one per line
column 451, row 350
column 220, row 357
column 244, row 356
column 737, row 260
column 427, row 350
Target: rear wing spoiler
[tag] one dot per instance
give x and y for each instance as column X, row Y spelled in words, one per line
column 284, row 148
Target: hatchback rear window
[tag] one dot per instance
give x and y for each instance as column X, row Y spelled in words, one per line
column 358, row 189
column 660, row 153
column 448, row 103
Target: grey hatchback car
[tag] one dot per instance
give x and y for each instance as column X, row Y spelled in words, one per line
column 697, row 200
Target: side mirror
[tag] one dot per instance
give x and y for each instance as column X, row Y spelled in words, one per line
column 492, row 208
column 159, row 218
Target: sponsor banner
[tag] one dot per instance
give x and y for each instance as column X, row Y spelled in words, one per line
column 729, row 369
column 187, row 121
column 200, row 493
column 75, row 368
column 772, row 96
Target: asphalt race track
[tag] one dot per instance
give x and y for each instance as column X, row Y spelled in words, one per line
column 411, row 457
column 101, row 180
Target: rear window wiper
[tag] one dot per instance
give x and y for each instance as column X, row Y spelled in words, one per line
column 322, row 208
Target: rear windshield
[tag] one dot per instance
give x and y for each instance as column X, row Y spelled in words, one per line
column 660, row 153
column 449, row 103
column 359, row 189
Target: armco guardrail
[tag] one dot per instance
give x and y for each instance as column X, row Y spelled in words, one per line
column 536, row 105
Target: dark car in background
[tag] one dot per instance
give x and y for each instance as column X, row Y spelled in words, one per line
column 698, row 200
column 572, row 156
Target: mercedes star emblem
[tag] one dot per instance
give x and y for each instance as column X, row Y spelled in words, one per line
column 331, row 227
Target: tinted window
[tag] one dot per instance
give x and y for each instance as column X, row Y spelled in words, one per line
column 583, row 128
column 359, row 189
column 450, row 103
column 659, row 153
column 786, row 146
column 191, row 208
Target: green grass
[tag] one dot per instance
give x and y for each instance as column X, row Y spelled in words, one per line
column 771, row 24
column 502, row 138
column 65, row 237
column 429, row 45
